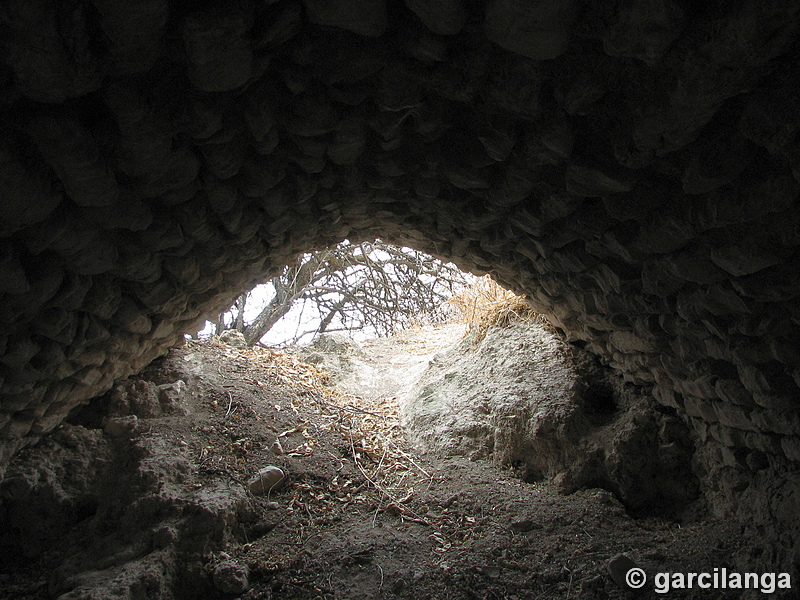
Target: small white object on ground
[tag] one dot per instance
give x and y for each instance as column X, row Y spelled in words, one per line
column 265, row 480
column 230, row 577
column 121, row 427
column 276, row 447
column 618, row 568
column 234, row 338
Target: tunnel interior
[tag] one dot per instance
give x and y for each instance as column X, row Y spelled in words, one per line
column 631, row 167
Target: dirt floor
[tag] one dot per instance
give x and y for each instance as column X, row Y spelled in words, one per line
column 165, row 509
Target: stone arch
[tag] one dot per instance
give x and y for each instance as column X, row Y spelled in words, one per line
column 632, row 168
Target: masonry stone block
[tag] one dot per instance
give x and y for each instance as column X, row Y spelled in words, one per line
column 540, row 30
column 728, row 437
column 645, row 31
column 740, row 260
column 218, row 50
column 764, row 442
column 791, row 447
column 696, row 407
column 737, row 417
column 364, row 17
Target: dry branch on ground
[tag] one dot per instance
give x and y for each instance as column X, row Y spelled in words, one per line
column 370, row 427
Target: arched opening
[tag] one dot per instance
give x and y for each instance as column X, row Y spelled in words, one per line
column 362, row 290
column 184, row 456
column 631, row 168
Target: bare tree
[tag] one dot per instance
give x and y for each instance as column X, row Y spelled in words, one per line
column 374, row 286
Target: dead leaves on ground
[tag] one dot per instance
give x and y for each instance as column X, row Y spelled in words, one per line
column 371, row 429
column 376, row 474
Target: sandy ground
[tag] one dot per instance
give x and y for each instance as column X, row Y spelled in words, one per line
column 389, row 367
column 360, row 515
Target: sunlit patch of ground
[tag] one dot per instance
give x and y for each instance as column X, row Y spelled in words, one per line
column 362, row 515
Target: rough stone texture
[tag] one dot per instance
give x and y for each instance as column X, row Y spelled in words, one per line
column 266, row 480
column 522, row 397
column 139, row 528
column 633, row 167
column 231, row 578
column 234, row 338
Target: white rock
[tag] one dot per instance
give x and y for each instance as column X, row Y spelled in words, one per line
column 618, row 568
column 121, row 427
column 231, row 577
column 265, row 480
column 172, row 397
column 234, row 338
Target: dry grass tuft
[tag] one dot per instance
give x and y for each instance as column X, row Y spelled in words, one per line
column 485, row 304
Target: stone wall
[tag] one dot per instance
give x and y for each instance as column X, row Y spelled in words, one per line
column 632, row 166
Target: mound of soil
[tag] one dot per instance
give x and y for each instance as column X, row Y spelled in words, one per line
column 145, row 495
column 520, row 395
column 381, row 367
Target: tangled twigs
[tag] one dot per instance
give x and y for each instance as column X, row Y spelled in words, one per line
column 411, row 460
column 230, row 404
column 361, row 469
column 372, row 425
column 370, row 429
column 394, row 505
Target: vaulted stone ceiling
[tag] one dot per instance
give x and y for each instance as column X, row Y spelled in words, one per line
column 632, row 166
